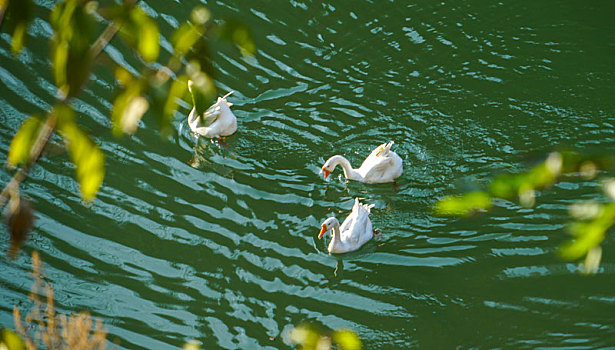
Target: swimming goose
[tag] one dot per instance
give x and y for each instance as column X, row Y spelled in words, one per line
column 382, row 165
column 355, row 231
column 217, row 121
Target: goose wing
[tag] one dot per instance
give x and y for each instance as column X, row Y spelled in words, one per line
column 357, row 225
column 382, row 165
column 211, row 114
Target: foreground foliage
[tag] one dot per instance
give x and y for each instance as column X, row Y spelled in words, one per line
column 309, row 337
column 591, row 222
column 81, row 31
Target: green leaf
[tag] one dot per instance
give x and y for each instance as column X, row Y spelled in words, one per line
column 192, row 345
column 238, row 33
column 70, row 47
column 176, row 92
column 202, row 91
column 347, row 339
column 24, row 139
column 137, row 28
column 128, row 109
column 507, row 186
column 588, row 235
column 19, row 37
column 306, row 336
column 89, row 160
column 19, row 14
column 464, row 205
column 148, row 41
column 9, row 340
column 165, row 102
column 185, row 37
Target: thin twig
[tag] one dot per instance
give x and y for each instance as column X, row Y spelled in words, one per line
column 104, row 39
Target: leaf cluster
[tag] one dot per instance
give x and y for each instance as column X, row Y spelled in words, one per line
column 309, row 337
column 156, row 88
column 592, row 220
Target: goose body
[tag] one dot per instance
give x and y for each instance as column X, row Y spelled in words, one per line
column 355, row 231
column 217, row 121
column 382, row 165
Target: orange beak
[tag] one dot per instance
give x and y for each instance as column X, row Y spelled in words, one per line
column 326, row 172
column 323, row 229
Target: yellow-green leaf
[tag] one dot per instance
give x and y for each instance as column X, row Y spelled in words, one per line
column 19, row 13
column 507, row 185
column 128, row 109
column 347, row 339
column 19, row 37
column 9, row 340
column 592, row 261
column 148, row 42
column 464, row 205
column 588, row 235
column 238, row 33
column 176, row 91
column 192, row 345
column 134, row 111
column 89, row 160
column 59, row 59
column 24, row 139
column 185, row 37
column 123, row 76
column 200, row 15
column 306, row 336
column 72, row 25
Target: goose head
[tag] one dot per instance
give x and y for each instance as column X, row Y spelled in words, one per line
column 330, row 165
column 327, row 225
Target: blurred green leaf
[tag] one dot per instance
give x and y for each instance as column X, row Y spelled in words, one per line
column 200, row 15
column 176, row 92
column 588, row 235
column 185, row 37
column 137, row 28
column 148, row 42
column 189, row 34
column 128, row 109
column 347, row 339
column 201, row 87
column 591, row 264
column 24, row 139
column 238, row 33
column 507, row 186
column 306, row 336
column 165, row 102
column 192, row 345
column 19, row 15
column 123, row 76
column 85, row 154
column 72, row 25
column 523, row 185
column 464, row 205
column 9, row 340
column 19, row 37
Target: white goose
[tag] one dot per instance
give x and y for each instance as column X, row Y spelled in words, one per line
column 217, row 121
column 355, row 231
column 382, row 165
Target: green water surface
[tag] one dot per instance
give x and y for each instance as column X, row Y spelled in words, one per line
column 193, row 240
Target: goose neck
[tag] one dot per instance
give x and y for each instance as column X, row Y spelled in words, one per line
column 349, row 172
